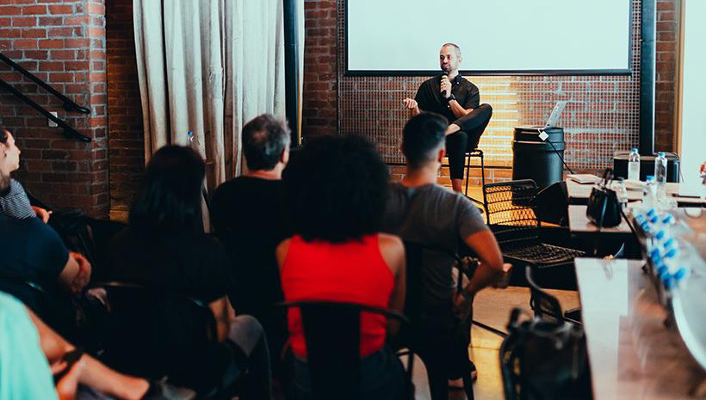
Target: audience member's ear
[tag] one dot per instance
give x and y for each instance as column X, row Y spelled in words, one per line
column 440, row 156
column 284, row 157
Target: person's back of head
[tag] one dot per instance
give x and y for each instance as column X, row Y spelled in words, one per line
column 338, row 189
column 169, row 199
column 422, row 138
column 265, row 139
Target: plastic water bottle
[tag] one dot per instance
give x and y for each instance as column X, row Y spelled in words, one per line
column 634, row 166
column 649, row 194
column 661, row 169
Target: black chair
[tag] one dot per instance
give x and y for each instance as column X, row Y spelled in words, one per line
column 332, row 335
column 475, row 153
column 546, row 306
column 510, row 215
column 150, row 330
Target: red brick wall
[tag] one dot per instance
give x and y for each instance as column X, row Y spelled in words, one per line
column 63, row 43
column 319, row 113
column 126, row 136
column 667, row 32
column 602, row 118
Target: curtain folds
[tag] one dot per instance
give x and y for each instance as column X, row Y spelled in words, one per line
column 209, row 66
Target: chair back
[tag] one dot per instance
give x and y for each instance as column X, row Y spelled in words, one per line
column 509, row 212
column 545, row 305
column 332, row 335
column 416, row 254
column 151, row 330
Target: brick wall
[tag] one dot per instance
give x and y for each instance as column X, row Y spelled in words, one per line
column 667, row 32
column 63, row 43
column 319, row 111
column 126, row 136
column 601, row 118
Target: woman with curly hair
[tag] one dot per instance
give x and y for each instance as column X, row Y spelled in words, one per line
column 337, row 188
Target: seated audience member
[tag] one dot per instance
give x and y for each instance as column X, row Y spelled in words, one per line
column 30, row 352
column 337, row 192
column 13, row 199
column 249, row 217
column 421, row 211
column 163, row 248
column 33, row 253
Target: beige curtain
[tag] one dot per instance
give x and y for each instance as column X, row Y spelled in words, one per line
column 209, row 66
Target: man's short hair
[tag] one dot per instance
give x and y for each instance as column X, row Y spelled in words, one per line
column 422, row 136
column 455, row 46
column 3, row 134
column 264, row 139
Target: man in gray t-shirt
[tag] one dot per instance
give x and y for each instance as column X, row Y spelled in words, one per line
column 421, row 211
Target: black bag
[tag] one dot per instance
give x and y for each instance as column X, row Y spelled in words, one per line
column 603, row 206
column 543, row 359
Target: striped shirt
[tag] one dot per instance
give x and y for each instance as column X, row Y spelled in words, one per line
column 15, row 203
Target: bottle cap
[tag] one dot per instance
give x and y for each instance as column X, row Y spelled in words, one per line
column 661, row 154
column 661, row 270
column 660, row 234
column 668, row 219
column 668, row 243
column 650, row 178
column 634, row 149
column 671, row 253
column 651, row 212
column 680, row 273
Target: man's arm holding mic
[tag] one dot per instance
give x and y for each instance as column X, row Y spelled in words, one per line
column 455, row 107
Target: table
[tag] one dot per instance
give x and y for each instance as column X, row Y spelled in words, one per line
column 579, row 194
column 580, row 224
column 631, row 353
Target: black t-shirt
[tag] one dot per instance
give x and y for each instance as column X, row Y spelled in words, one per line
column 249, row 216
column 195, row 265
column 30, row 250
column 429, row 96
column 32, row 256
column 192, row 265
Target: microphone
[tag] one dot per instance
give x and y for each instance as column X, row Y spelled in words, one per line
column 443, row 74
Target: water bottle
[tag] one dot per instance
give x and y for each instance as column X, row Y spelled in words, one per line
column 634, row 166
column 649, row 194
column 661, row 169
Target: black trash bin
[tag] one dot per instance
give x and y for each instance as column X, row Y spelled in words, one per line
column 536, row 159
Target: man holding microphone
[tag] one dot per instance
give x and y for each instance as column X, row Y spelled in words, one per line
column 457, row 99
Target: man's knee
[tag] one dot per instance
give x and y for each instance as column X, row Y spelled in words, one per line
column 486, row 110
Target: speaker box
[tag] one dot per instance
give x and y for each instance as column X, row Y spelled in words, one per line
column 647, row 166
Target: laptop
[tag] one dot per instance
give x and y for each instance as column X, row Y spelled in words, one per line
column 556, row 113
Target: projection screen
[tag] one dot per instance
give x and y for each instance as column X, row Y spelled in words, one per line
column 403, row 37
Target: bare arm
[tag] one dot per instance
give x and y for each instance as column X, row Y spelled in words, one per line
column 93, row 373
column 223, row 313
column 483, row 243
column 76, row 273
column 392, row 251
column 458, row 110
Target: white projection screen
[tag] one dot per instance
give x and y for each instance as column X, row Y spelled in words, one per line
column 553, row 37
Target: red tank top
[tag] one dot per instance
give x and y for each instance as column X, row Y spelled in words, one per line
column 352, row 272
